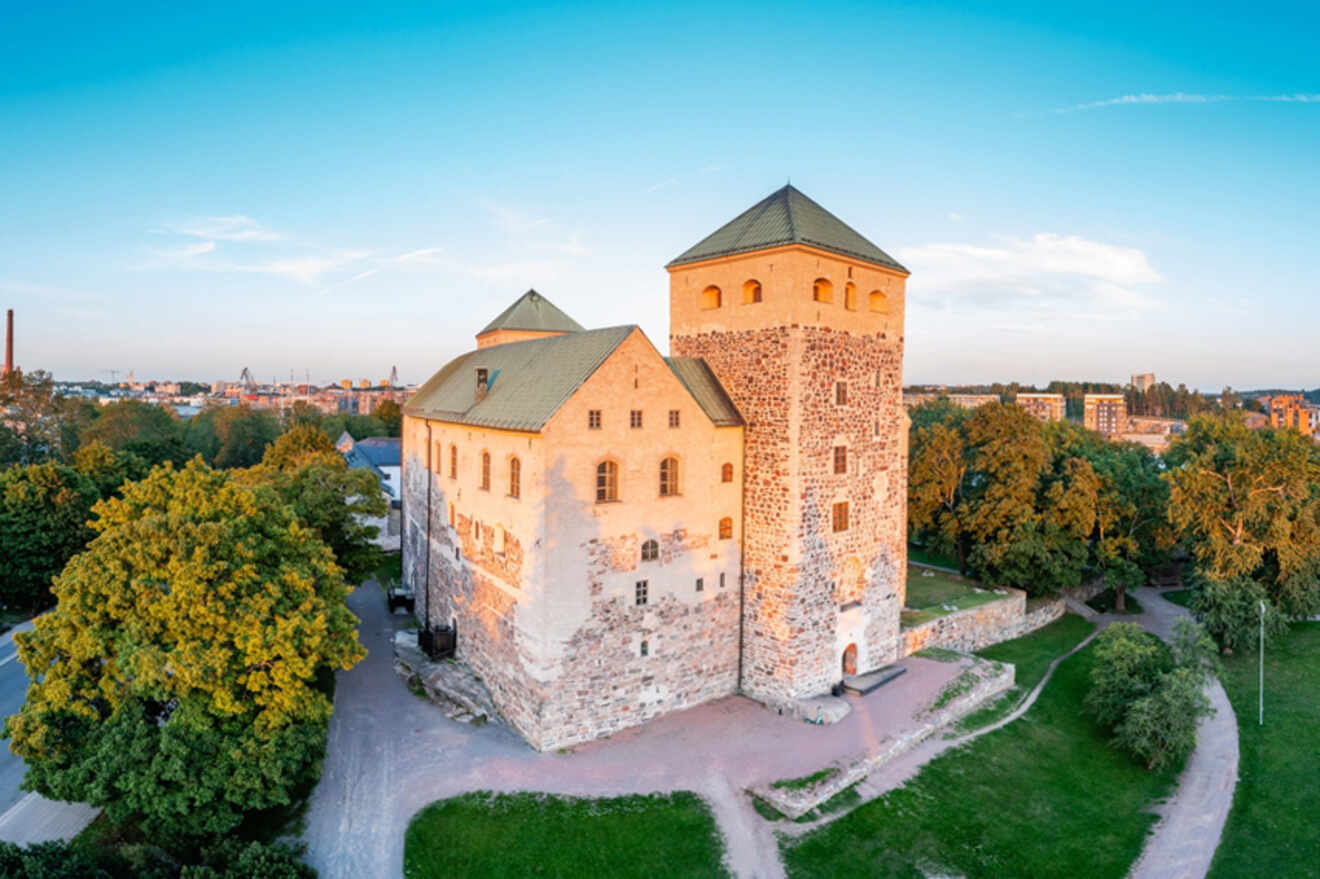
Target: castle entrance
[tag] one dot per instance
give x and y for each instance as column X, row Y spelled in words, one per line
column 850, row 660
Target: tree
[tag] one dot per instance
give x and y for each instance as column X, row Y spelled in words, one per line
column 148, row 431
column 41, row 424
column 231, row 436
column 175, row 681
column 301, row 412
column 1246, row 504
column 106, row 468
column 391, row 414
column 356, row 426
column 308, row 473
column 43, row 513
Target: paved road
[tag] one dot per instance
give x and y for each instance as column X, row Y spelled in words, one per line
column 13, row 690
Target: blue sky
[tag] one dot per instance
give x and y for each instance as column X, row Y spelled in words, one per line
column 1079, row 191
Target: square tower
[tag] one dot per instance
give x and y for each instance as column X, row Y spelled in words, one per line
column 801, row 320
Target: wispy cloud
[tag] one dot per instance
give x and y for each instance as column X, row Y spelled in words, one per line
column 233, row 228
column 956, row 217
column 1046, row 274
column 656, row 187
column 1187, row 98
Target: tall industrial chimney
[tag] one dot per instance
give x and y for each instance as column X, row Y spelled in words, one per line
column 9, row 341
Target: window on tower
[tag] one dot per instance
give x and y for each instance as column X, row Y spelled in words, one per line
column 850, row 296
column 751, row 293
column 822, row 290
column 710, row 297
column 879, row 302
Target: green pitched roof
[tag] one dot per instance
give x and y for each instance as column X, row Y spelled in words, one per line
column 527, row 381
column 786, row 217
column 532, row 311
column 706, row 389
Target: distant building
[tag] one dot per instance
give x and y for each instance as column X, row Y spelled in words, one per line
column 972, row 401
column 1046, row 407
column 382, row 456
column 1143, row 382
column 1154, row 433
column 1105, row 413
column 1295, row 413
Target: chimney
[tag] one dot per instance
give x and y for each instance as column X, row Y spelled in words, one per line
column 9, row 341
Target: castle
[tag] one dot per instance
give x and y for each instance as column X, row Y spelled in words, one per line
column 616, row 534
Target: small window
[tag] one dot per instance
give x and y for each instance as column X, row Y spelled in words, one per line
column 841, row 516
column 593, row 419
column 515, row 477
column 453, row 462
column 879, row 378
column 726, row 528
column 710, row 297
column 645, row 650
column 669, row 477
column 451, row 515
column 673, row 418
column 877, row 427
column 878, row 301
column 726, row 473
column 635, row 418
column 456, row 553
column 751, row 292
column 483, row 381
column 607, row 482
column 701, row 584
column 850, row 296
column 822, row 290
column 840, row 459
column 721, row 579
column 841, row 393
column 485, row 471
column 650, row 551
column 639, row 592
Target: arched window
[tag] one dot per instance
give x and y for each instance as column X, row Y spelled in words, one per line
column 879, row 302
column 607, row 482
column 726, row 528
column 485, row 471
column 668, row 477
column 453, row 462
column 822, row 290
column 850, row 296
column 650, row 551
column 751, row 292
column 515, row 477
column 726, row 473
column 710, row 297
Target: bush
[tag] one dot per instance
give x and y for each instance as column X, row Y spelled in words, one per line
column 1230, row 611
column 43, row 508
column 1160, row 729
column 48, row 860
column 1129, row 662
column 233, row 859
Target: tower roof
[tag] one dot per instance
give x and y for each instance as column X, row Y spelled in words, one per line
column 786, row 217
column 535, row 313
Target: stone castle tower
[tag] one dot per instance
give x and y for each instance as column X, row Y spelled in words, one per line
column 801, row 320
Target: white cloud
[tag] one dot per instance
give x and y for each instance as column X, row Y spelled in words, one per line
column 956, row 217
column 1047, row 274
column 233, row 228
column 656, row 187
column 1186, row 98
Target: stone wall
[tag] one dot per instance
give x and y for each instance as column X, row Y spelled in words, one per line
column 976, row 627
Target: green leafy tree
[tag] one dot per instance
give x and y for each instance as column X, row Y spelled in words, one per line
column 307, row 472
column 1230, row 611
column 1159, row 729
column 232, row 436
column 357, row 426
column 301, row 413
column 151, row 432
column 175, row 681
column 106, row 468
column 41, row 425
column 391, row 414
column 44, row 509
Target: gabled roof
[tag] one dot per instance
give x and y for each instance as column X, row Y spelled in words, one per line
column 705, row 388
column 786, row 217
column 527, row 381
column 383, row 451
column 534, row 312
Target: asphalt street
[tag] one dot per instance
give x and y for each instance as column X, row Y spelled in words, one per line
column 13, row 689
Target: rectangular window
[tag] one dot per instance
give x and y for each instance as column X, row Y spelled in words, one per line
column 593, row 419
column 840, row 459
column 640, row 593
column 726, row 528
column 841, row 516
column 673, row 418
column 701, row 584
column 645, row 650
column 841, row 393
column 877, row 427
column 635, row 418
column 453, row 462
column 721, row 579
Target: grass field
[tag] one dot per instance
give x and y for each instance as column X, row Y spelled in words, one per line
column 1104, row 603
column 503, row 836
column 1044, row 797
column 1272, row 829
column 926, row 557
column 1178, row 596
column 931, row 594
column 1031, row 655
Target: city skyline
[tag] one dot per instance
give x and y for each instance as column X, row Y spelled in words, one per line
column 193, row 193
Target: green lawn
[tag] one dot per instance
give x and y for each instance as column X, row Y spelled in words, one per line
column 519, row 835
column 1044, row 797
column 1179, row 596
column 926, row 557
column 1272, row 830
column 1104, row 603
column 1031, row 655
column 929, row 592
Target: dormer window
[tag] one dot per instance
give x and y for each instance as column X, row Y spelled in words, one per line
column 483, row 382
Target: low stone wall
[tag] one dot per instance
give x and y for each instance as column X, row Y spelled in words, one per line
column 1086, row 591
column 992, row 678
column 970, row 629
column 1042, row 614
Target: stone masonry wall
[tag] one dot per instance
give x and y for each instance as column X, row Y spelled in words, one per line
column 803, row 580
column 983, row 625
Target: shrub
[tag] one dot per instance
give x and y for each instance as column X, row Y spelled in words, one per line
column 48, row 860
column 1160, row 729
column 1230, row 611
column 1129, row 662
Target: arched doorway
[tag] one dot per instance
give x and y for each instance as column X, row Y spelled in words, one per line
column 850, row 659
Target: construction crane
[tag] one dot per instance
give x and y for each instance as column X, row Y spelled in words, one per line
column 394, row 376
column 246, row 377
